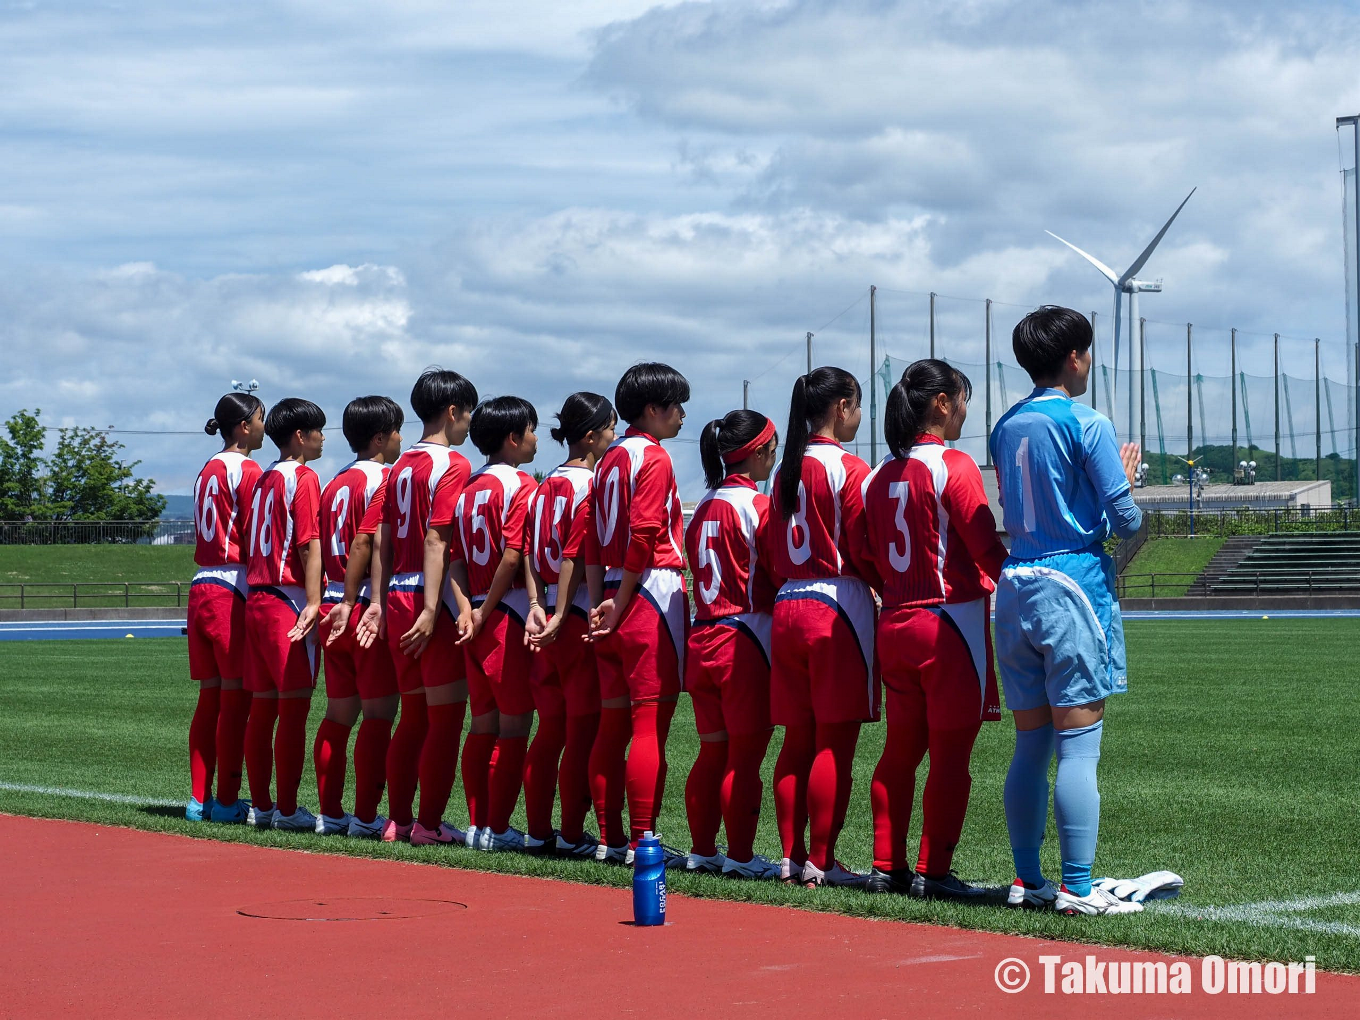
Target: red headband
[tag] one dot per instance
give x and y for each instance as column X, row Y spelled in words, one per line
column 742, row 452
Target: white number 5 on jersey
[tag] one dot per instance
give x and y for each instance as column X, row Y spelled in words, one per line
column 709, row 558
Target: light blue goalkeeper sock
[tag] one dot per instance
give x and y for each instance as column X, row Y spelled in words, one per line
column 1026, row 800
column 1076, row 804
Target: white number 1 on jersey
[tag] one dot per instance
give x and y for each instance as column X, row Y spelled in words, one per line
column 1026, row 486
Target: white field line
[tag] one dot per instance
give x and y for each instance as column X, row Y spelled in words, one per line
column 112, row 798
column 1272, row 913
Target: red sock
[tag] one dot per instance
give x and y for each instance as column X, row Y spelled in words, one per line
column 477, row 751
column 370, row 766
column 439, row 760
column 290, row 751
column 231, row 743
column 540, row 774
column 893, row 789
column 203, row 743
column 507, row 776
column 742, row 791
column 607, row 772
column 828, row 794
column 403, row 758
column 645, row 773
column 703, row 796
column 259, row 750
column 329, row 762
column 790, row 790
column 573, row 774
column 945, row 801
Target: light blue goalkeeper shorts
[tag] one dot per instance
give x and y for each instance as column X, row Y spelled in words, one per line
column 1059, row 635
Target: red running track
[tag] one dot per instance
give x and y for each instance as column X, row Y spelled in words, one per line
column 107, row 922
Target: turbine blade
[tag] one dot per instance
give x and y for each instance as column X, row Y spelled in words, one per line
column 1138, row 264
column 1106, row 270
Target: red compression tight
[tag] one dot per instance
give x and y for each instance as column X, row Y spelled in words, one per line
column 439, row 760
column 329, row 760
column 370, row 766
column 828, row 791
column 232, row 715
column 259, row 749
column 573, row 775
column 403, row 758
column 645, row 772
column 943, row 805
column 607, row 772
column 703, row 796
column 540, row 774
column 478, row 749
column 505, row 780
column 203, row 743
column 791, row 771
column 290, row 751
column 742, row 791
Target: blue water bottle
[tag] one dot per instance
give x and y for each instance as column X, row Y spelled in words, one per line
column 649, row 882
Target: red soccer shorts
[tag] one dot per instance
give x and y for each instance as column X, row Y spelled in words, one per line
column 442, row 661
column 937, row 663
column 643, row 659
column 823, row 669
column 352, row 669
column 274, row 663
column 563, row 676
column 498, row 661
column 217, row 626
column 727, row 674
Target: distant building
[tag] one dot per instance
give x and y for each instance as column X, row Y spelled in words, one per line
column 1260, row 495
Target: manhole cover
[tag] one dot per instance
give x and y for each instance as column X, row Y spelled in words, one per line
column 351, row 908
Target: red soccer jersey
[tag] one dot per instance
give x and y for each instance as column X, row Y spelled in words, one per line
column 492, row 516
column 221, row 509
column 283, row 518
column 729, row 550
column 930, row 530
column 344, row 507
column 825, row 536
column 421, row 490
column 637, row 506
column 560, row 521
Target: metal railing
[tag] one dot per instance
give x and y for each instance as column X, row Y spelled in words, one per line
column 1255, row 582
column 1249, row 521
column 163, row 532
column 93, row 594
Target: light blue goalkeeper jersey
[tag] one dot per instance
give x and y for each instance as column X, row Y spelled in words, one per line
column 1059, row 471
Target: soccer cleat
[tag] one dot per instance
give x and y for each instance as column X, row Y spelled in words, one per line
column 757, row 868
column 1037, row 898
column 394, row 833
column 583, row 847
column 510, row 839
column 366, row 830
column 540, row 847
column 445, row 834
column 898, row 881
column 790, row 872
column 837, row 875
column 230, row 814
column 1157, row 885
column 472, row 837
column 261, row 818
column 951, row 887
column 613, row 854
column 698, row 864
column 1097, row 904
column 196, row 811
column 300, row 820
column 326, row 825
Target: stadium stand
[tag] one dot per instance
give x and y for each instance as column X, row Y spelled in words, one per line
column 1322, row 563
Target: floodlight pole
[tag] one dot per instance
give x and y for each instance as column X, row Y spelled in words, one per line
column 1189, row 394
column 809, row 346
column 1232, row 389
column 1317, row 405
column 1092, row 385
column 987, row 378
column 745, row 394
column 1142, row 389
column 1354, row 122
column 932, row 324
column 1279, row 468
column 873, row 388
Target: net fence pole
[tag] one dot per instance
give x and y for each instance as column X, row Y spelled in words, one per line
column 932, row 324
column 1279, row 467
column 1094, row 333
column 1317, row 405
column 1142, row 389
column 809, row 352
column 987, row 377
column 1232, row 389
column 873, row 390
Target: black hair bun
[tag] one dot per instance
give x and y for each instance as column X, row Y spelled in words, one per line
column 211, row 427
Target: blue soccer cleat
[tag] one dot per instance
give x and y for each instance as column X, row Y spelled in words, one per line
column 195, row 811
column 230, row 814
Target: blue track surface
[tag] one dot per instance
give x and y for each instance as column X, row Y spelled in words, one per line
column 51, row 630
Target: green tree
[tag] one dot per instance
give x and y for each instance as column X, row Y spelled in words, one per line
column 85, row 479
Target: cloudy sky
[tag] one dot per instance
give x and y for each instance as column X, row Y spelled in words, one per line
column 328, row 197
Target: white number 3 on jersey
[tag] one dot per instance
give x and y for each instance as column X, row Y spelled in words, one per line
column 900, row 560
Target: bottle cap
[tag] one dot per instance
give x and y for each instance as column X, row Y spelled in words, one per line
column 648, row 834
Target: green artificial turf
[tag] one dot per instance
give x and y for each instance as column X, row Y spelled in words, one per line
column 1231, row 761
column 50, row 566
column 1171, row 557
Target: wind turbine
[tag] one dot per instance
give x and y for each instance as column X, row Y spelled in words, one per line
column 1126, row 283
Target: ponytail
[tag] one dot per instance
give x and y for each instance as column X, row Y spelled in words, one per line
column 910, row 400
column 581, row 413
column 729, row 440
column 233, row 409
column 813, row 395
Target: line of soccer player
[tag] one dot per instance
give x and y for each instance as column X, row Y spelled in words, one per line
column 439, row 592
